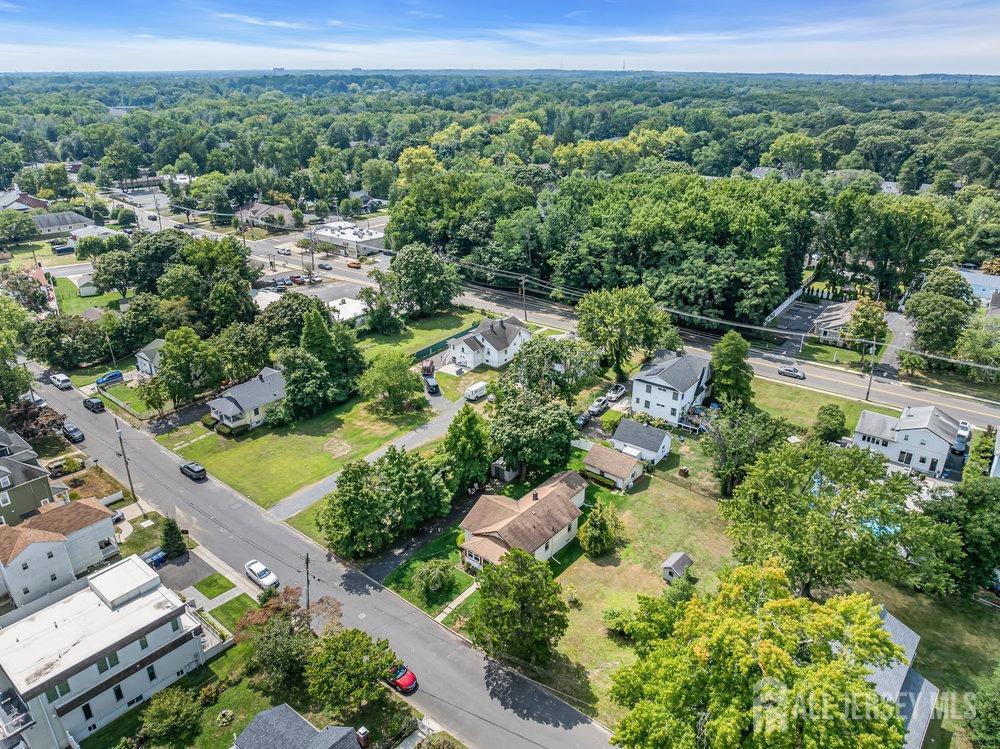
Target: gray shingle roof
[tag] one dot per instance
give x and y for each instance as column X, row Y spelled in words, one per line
column 931, row 418
column 17, row 460
column 498, row 333
column 266, row 388
column 152, row 351
column 60, row 218
column 640, row 435
column 678, row 562
column 670, row 370
column 280, row 727
column 877, row 425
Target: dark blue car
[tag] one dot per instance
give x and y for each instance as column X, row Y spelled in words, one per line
column 115, row 375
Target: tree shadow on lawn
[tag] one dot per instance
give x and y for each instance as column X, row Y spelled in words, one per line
column 573, row 699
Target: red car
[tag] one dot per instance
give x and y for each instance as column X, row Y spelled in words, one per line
column 297, row 280
column 404, row 680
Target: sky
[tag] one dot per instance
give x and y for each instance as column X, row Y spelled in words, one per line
column 807, row 36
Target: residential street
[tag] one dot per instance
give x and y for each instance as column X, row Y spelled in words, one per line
column 484, row 705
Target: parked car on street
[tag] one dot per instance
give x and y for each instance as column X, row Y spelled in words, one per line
column 793, row 372
column 194, row 471
column 94, row 405
column 616, row 392
column 34, row 398
column 296, row 279
column 582, row 420
column 284, row 251
column 403, row 680
column 72, row 432
column 61, row 381
column 599, row 406
column 262, row 577
column 152, row 216
column 313, row 280
column 110, row 378
column 324, row 266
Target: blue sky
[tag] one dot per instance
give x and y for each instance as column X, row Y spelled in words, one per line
column 878, row 36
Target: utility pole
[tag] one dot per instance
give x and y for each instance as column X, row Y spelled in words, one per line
column 524, row 302
column 128, row 472
column 307, row 581
column 156, row 206
column 114, row 362
column 871, row 371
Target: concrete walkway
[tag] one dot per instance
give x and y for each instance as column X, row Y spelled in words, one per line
column 195, row 596
column 435, row 428
column 457, row 602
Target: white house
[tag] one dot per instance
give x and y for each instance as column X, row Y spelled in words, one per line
column 76, row 660
column 493, row 343
column 147, row 360
column 670, row 384
column 349, row 311
column 829, row 324
column 101, row 232
column 621, row 469
column 247, row 404
column 84, row 284
column 540, row 523
column 919, row 438
column 983, row 284
column 50, row 549
column 641, row 441
column 61, row 222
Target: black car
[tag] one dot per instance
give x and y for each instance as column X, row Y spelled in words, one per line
column 194, row 471
column 94, row 405
column 324, row 266
column 431, row 385
column 582, row 420
column 72, row 432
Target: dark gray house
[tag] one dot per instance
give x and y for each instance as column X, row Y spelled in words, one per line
column 24, row 483
column 281, row 727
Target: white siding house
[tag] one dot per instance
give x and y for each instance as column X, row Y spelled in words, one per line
column 147, row 360
column 670, row 384
column 247, row 404
column 493, row 343
column 60, row 222
column 919, row 438
column 641, row 441
column 91, row 652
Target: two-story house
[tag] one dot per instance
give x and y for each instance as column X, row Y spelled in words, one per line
column 50, row 549
column 670, row 384
column 246, row 404
column 540, row 523
column 493, row 343
column 919, row 438
column 76, row 660
column 24, row 483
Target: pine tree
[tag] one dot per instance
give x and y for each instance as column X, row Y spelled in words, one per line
column 602, row 531
column 171, row 539
column 467, row 448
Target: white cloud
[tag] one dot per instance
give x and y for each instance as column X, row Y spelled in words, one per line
column 257, row 21
column 10, row 7
column 577, row 13
column 423, row 14
column 334, row 22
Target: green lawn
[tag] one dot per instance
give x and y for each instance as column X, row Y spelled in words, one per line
column 453, row 387
column 824, row 352
column 444, row 546
column 52, row 446
column 955, row 383
column 229, row 613
column 43, row 254
column 71, row 303
column 421, row 333
column 214, row 585
column 305, row 522
column 130, row 398
column 88, row 375
column 268, row 464
column 799, row 405
column 146, row 539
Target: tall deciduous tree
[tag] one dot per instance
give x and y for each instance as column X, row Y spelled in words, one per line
column 553, row 367
column 732, row 375
column 467, row 445
column 336, row 346
column 521, row 615
column 389, row 383
column 308, row 389
column 736, row 438
column 832, row 515
column 602, row 531
column 186, row 364
column 346, row 668
column 986, row 723
column 830, row 424
column 620, row 322
column 114, row 271
column 418, row 282
column 867, row 325
column 530, row 432
column 738, row 669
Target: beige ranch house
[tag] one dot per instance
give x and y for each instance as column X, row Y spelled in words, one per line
column 539, row 523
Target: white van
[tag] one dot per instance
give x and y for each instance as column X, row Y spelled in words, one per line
column 475, row 391
column 61, row 381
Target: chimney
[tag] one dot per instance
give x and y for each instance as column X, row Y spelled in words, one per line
column 534, row 496
column 364, row 737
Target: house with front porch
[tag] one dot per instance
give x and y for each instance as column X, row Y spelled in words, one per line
column 246, row 405
column 540, row 523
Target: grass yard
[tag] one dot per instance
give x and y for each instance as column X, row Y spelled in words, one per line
column 959, row 647
column 94, row 482
column 71, row 303
column 268, row 464
column 130, row 397
column 229, row 613
column 954, row 383
column 824, row 352
column 52, row 446
column 22, row 255
column 146, row 539
column 799, row 405
column 453, row 387
column 444, row 546
column 88, row 375
column 419, row 334
column 688, row 453
column 214, row 585
column 305, row 522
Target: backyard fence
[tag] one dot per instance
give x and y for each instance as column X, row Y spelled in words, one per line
column 426, row 351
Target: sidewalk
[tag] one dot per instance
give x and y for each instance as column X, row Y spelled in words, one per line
column 309, row 495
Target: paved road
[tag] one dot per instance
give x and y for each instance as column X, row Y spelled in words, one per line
column 482, row 704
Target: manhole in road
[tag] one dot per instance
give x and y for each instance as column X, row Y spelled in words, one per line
column 236, row 506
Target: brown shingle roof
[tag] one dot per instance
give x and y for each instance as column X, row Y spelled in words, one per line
column 601, row 459
column 16, row 538
column 68, row 518
column 525, row 524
